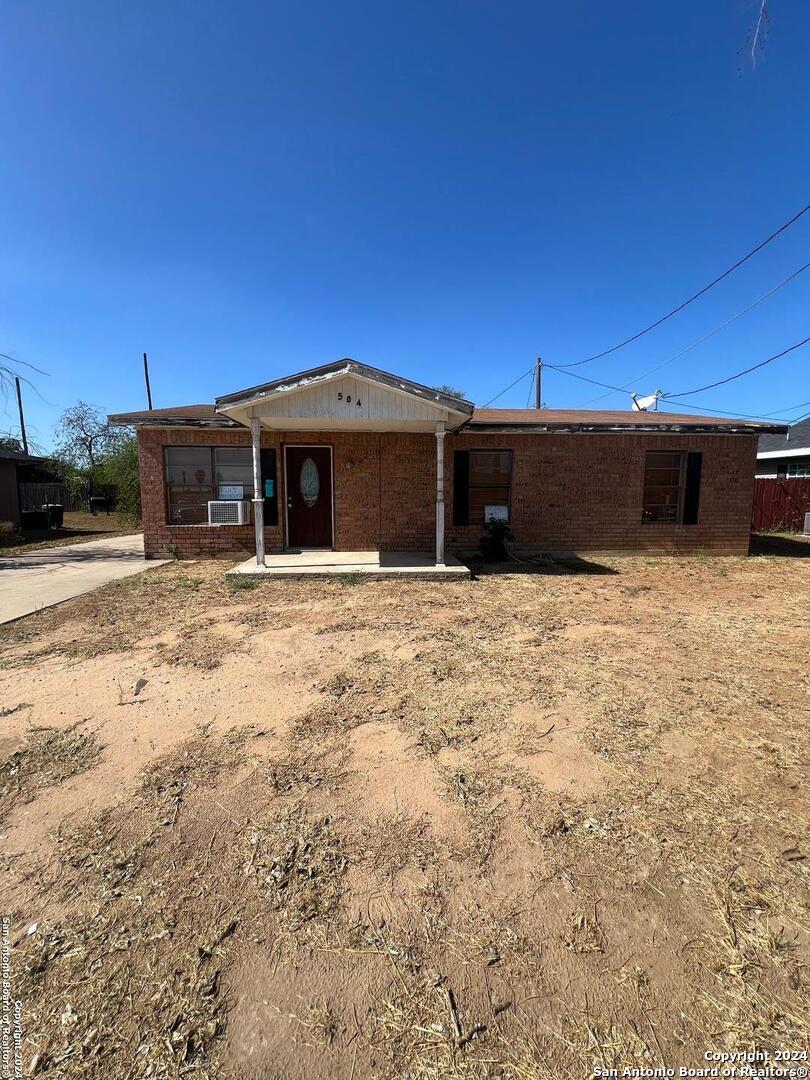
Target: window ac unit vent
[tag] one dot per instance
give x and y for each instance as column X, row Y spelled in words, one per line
column 227, row 512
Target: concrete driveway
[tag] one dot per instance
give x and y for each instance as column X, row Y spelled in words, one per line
column 39, row 579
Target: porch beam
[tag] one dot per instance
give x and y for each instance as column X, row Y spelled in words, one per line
column 440, row 493
column 258, row 501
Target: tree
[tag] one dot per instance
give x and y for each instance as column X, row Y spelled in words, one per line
column 451, row 391
column 83, row 436
column 10, row 370
column 119, row 469
column 93, row 454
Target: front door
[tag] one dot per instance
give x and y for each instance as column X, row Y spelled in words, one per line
column 309, row 496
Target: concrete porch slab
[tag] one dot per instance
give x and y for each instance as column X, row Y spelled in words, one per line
column 414, row 564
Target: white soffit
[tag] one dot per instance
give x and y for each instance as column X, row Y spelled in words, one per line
column 801, row 451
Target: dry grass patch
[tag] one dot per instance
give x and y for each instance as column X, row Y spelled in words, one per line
column 51, row 756
column 443, row 893
column 298, row 864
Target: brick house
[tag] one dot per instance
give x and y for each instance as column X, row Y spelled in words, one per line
column 350, row 458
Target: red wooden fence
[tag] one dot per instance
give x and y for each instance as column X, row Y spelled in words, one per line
column 780, row 504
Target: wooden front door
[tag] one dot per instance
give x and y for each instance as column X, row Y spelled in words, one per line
column 308, row 482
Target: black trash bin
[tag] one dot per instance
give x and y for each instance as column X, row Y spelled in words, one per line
column 99, row 502
column 56, row 514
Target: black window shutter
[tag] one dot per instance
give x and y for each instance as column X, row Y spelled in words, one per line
column 691, row 501
column 269, row 474
column 461, row 487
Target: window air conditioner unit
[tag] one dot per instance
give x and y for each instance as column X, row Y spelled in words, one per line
column 228, row 512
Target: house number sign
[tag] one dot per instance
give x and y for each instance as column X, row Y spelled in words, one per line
column 348, row 399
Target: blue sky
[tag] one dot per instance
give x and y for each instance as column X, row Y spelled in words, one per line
column 441, row 189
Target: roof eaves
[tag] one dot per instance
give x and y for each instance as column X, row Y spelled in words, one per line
column 731, row 428
column 143, row 420
column 338, row 368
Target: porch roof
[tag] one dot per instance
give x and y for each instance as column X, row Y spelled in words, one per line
column 346, row 395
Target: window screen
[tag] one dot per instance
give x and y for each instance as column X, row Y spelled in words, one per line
column 481, row 478
column 233, row 471
column 663, row 486
column 189, row 484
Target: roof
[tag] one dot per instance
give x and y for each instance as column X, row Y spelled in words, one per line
column 471, row 418
column 178, row 416
column 610, row 420
column 346, row 366
column 495, row 420
column 7, row 454
column 797, row 437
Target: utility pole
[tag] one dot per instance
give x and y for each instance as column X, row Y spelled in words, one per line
column 146, row 377
column 22, row 417
column 538, row 376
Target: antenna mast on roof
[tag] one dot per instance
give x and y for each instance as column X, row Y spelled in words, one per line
column 538, row 375
column 146, row 378
column 23, row 436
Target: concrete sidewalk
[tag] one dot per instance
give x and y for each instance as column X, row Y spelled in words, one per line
column 321, row 564
column 39, row 579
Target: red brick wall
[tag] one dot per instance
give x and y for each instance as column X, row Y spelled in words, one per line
column 570, row 492
column 583, row 492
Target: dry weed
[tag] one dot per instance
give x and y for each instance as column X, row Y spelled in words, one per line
column 51, row 756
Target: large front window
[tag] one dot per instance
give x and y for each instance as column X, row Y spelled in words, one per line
column 195, row 474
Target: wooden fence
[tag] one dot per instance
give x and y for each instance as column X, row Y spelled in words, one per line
column 33, row 496
column 780, row 504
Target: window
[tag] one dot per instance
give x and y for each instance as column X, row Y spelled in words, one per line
column 798, row 468
column 195, row 474
column 481, row 479
column 233, row 469
column 671, row 487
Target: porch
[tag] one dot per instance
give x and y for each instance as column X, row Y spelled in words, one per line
column 299, row 564
column 344, row 398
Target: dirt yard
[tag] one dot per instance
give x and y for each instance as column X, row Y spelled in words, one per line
column 516, row 827
column 78, row 526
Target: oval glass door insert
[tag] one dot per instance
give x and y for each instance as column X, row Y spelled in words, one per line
column 309, row 482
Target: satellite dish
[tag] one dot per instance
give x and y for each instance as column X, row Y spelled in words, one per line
column 642, row 404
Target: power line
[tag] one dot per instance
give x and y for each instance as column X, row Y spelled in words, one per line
column 518, row 379
column 531, row 387
column 790, row 408
column 582, row 378
column 697, row 295
column 666, row 399
column 715, row 412
column 706, row 337
column 739, row 374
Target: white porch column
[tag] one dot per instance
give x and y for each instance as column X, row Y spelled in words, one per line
column 258, row 493
column 440, row 494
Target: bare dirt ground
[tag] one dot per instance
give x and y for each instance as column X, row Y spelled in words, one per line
column 515, row 827
column 78, row 527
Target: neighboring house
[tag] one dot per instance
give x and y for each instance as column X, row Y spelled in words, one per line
column 352, row 458
column 785, row 455
column 12, row 465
